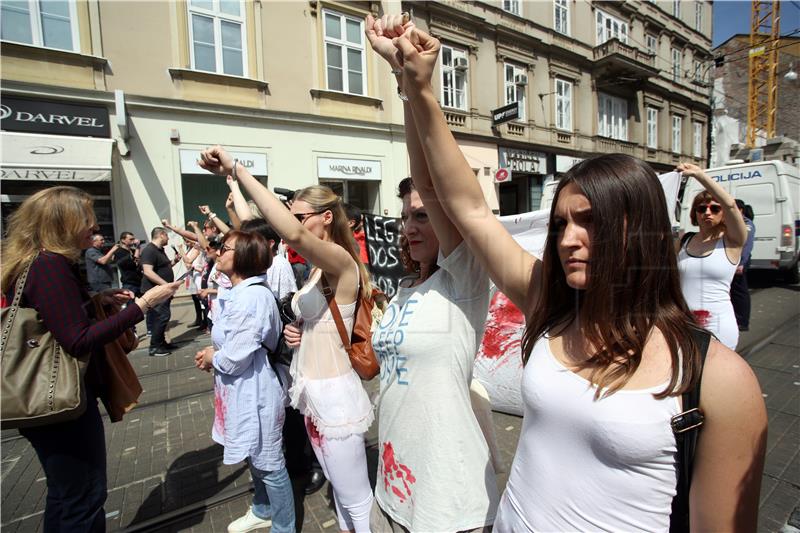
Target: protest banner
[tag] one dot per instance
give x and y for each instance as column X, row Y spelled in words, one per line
column 383, row 248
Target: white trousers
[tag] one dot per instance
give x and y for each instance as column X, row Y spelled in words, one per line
column 344, row 463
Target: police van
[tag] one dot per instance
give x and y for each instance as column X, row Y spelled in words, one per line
column 772, row 188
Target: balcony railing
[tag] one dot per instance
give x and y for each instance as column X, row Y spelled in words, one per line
column 614, row 46
column 615, row 59
column 607, row 145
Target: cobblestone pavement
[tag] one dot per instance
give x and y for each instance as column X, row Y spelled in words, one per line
column 161, row 460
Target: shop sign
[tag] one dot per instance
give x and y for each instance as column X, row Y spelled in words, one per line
column 348, row 169
column 31, row 157
column 566, row 162
column 502, row 175
column 506, row 113
column 41, row 116
column 518, row 160
column 255, row 163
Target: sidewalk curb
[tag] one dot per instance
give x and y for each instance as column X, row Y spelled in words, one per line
column 759, row 344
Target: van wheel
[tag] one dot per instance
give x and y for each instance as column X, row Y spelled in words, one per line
column 792, row 274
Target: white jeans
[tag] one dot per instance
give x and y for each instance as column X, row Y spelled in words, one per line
column 344, row 463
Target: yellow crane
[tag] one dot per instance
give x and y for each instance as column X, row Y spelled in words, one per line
column 762, row 95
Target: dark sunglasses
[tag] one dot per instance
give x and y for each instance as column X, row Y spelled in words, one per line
column 701, row 209
column 225, row 248
column 301, row 217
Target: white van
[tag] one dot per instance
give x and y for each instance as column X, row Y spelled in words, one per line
column 772, row 188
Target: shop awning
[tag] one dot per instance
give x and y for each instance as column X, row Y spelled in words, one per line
column 35, row 157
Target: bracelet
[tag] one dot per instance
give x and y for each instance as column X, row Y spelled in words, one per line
column 401, row 94
column 233, row 174
column 212, row 216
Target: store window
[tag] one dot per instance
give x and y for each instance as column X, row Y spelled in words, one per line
column 344, row 53
column 217, row 35
column 455, row 65
column 515, row 82
column 612, row 120
column 610, row 27
column 47, row 23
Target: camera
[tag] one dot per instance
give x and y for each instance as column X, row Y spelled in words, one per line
column 284, row 195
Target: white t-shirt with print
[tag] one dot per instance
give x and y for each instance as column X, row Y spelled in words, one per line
column 434, row 471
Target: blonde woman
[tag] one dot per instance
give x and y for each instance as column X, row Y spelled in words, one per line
column 48, row 232
column 325, row 387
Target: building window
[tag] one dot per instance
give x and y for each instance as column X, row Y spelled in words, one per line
column 455, row 65
column 516, row 81
column 609, row 27
column 676, row 64
column 676, row 8
column 561, row 16
column 612, row 120
column 344, row 53
column 563, row 105
column 697, row 139
column 512, row 6
column 697, row 68
column 652, row 44
column 217, row 34
column 652, row 127
column 698, row 16
column 47, row 23
column 676, row 133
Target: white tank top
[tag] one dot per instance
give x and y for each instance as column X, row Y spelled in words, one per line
column 324, row 385
column 706, row 280
column 588, row 465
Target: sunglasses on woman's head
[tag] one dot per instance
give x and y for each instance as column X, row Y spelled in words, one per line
column 701, row 209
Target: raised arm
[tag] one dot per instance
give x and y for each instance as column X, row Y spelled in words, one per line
column 180, row 231
column 201, row 238
column 735, row 228
column 509, row 265
column 233, row 215
column 240, row 205
column 223, row 227
column 380, row 34
column 328, row 256
column 729, row 460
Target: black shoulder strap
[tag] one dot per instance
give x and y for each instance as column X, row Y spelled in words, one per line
column 686, row 427
column 686, row 236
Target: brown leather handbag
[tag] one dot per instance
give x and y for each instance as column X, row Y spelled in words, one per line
column 41, row 383
column 359, row 344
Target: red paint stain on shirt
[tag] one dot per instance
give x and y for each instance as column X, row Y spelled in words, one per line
column 702, row 317
column 393, row 471
column 503, row 334
column 220, row 407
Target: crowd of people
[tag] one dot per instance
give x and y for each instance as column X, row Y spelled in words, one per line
column 617, row 314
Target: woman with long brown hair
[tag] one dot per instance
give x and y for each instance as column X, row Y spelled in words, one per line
column 608, row 348
column 325, row 388
column 46, row 234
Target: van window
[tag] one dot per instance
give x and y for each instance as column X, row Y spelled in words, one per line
column 761, row 196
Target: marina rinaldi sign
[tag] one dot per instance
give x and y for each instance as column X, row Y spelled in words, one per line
column 349, row 169
column 59, row 118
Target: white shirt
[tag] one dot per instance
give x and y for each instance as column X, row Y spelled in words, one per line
column 588, row 465
column 248, row 399
column 434, row 471
column 280, row 277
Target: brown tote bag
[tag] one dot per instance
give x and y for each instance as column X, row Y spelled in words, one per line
column 41, row 383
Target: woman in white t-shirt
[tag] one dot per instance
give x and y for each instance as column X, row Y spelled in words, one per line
column 608, row 348
column 325, row 388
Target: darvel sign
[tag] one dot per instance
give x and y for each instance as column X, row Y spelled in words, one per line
column 38, row 116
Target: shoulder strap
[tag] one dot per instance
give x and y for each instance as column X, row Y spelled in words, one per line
column 686, row 427
column 337, row 316
column 686, row 236
column 19, row 287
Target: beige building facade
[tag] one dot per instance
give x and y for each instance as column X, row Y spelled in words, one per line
column 293, row 89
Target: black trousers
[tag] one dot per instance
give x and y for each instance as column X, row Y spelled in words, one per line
column 740, row 298
column 160, row 318
column 73, row 457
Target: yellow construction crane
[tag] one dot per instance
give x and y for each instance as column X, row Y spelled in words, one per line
column 762, row 100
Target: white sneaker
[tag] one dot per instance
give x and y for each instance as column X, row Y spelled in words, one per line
column 248, row 522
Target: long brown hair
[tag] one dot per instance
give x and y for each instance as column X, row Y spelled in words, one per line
column 321, row 199
column 54, row 219
column 633, row 283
